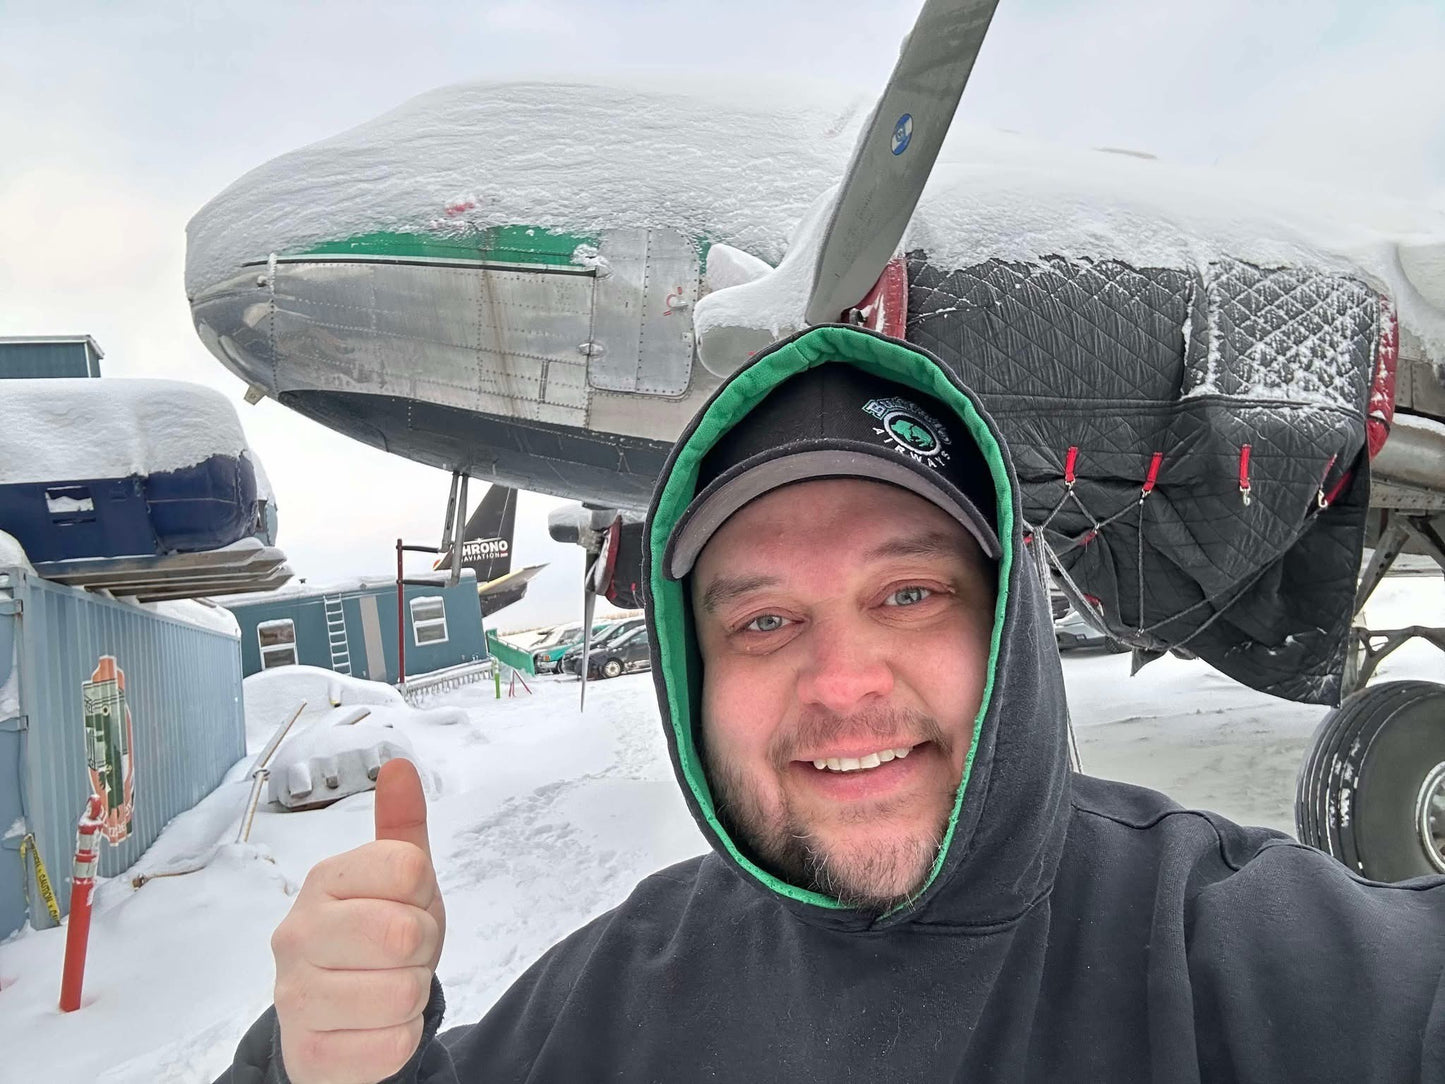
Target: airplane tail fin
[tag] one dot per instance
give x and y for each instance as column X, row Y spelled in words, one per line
column 487, row 540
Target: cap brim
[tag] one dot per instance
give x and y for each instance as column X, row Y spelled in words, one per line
column 752, row 478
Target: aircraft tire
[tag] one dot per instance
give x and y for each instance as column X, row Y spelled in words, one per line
column 1360, row 786
column 1338, row 781
column 1316, row 805
column 1399, row 832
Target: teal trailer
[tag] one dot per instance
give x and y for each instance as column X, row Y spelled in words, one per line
column 352, row 627
column 32, row 356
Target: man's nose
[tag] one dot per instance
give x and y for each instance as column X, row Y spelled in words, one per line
column 846, row 665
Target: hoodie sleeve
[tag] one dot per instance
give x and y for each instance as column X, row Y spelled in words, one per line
column 1302, row 971
column 258, row 1055
column 499, row 1048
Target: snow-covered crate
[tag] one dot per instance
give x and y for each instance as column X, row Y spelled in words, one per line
column 139, row 704
column 123, row 468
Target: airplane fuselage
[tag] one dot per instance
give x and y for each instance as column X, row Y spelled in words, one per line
column 561, row 365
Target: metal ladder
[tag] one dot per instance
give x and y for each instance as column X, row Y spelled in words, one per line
column 336, row 635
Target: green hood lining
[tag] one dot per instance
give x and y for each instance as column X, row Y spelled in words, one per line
column 676, row 641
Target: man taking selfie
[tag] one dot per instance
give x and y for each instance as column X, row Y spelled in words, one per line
column 863, row 700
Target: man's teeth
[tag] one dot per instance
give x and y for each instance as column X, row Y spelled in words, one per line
column 854, row 764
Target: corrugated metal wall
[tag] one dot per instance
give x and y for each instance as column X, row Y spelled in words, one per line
column 183, row 687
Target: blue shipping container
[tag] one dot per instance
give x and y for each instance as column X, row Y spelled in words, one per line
column 182, row 689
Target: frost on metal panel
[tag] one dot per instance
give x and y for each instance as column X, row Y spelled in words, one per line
column 497, row 340
column 1287, row 334
column 642, row 339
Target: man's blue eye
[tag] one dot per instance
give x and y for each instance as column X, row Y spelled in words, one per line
column 908, row 596
column 765, row 623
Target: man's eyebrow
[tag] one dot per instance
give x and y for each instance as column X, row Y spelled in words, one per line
column 726, row 588
column 928, row 544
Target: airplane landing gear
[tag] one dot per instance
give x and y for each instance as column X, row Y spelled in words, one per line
column 1369, row 647
column 1371, row 791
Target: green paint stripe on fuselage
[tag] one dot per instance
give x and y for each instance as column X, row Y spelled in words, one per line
column 501, row 244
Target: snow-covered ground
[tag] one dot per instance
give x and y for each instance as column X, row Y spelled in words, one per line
column 540, row 818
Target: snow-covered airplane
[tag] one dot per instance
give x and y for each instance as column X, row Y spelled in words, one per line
column 1197, row 372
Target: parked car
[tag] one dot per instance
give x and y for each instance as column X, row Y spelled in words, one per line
column 548, row 658
column 627, row 652
column 1074, row 633
column 571, row 662
column 551, row 647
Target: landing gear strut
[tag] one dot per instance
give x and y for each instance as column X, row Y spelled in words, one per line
column 1369, row 647
column 454, row 529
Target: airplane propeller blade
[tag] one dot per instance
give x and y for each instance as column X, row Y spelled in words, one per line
column 595, row 581
column 895, row 153
column 589, row 605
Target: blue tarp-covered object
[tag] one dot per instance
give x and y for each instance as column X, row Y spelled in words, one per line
column 96, row 469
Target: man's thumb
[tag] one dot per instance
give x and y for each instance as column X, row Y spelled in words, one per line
column 401, row 804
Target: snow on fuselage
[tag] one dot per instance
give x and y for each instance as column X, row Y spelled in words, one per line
column 482, row 278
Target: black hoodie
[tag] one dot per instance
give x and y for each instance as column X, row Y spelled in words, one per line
column 1072, row 929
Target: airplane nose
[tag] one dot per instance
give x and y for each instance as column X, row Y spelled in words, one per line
column 232, row 319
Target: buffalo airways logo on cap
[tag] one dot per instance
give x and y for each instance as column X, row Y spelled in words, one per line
column 910, row 429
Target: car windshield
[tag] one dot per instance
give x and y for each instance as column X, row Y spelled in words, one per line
column 613, row 634
column 610, row 633
column 561, row 635
column 630, row 634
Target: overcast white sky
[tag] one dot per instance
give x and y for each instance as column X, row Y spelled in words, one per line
column 118, row 121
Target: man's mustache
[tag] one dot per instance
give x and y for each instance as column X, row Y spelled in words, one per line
column 892, row 726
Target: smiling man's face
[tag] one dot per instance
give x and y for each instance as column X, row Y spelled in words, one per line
column 842, row 623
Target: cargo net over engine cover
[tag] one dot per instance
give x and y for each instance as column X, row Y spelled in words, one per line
column 1190, row 445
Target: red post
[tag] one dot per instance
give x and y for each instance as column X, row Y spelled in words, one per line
column 400, row 621
column 82, row 888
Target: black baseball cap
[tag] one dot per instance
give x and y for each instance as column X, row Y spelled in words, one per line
column 837, row 421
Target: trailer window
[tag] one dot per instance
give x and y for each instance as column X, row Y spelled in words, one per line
column 278, row 643
column 429, row 620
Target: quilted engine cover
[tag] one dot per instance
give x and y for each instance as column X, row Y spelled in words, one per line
column 1189, row 445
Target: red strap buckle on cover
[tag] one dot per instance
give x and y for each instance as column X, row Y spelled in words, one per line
column 1153, row 475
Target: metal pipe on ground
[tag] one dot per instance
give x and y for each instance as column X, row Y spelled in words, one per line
column 82, row 894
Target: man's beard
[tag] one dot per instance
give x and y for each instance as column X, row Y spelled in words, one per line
column 877, row 876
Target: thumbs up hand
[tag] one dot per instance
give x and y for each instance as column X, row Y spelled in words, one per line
column 356, row 954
